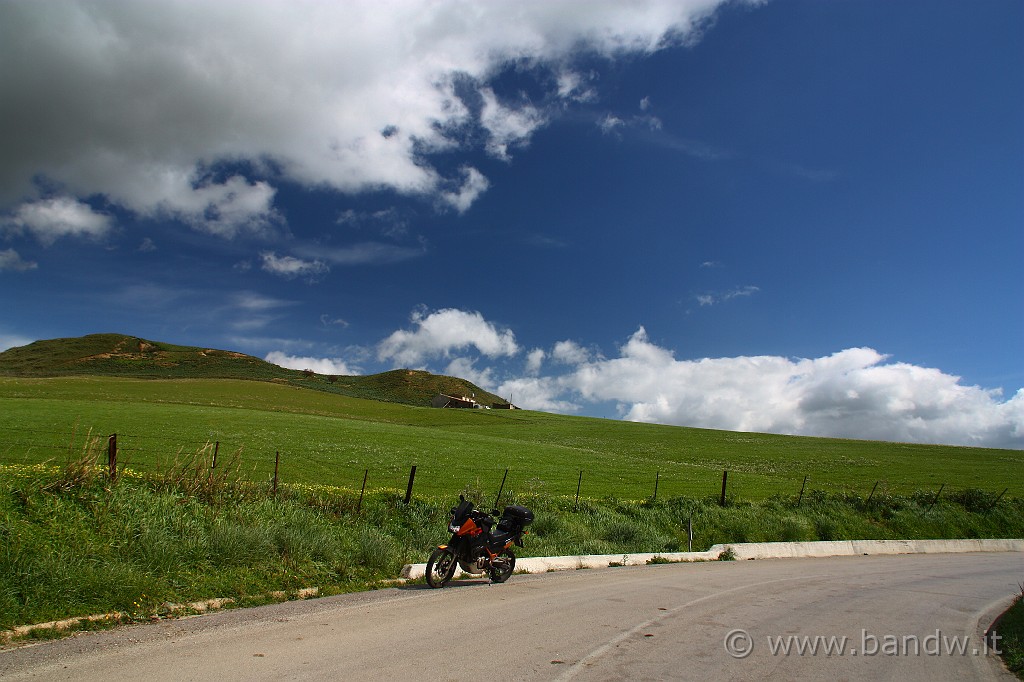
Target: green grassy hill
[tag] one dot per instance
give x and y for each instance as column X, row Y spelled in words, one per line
column 333, row 439
column 117, row 355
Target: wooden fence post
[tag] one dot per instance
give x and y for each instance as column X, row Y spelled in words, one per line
column 725, row 477
column 936, row 498
column 800, row 499
column 277, row 463
column 359, row 506
column 657, row 477
column 579, row 483
column 993, row 506
column 412, row 477
column 112, row 456
column 872, row 491
column 216, row 449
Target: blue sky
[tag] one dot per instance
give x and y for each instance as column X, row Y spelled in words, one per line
column 790, row 216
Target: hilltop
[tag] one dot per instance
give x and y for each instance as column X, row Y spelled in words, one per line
column 119, row 355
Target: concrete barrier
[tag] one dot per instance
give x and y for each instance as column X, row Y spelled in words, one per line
column 752, row 550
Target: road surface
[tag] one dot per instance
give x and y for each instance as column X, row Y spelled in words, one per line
column 912, row 617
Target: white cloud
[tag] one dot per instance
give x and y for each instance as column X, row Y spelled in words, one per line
column 328, row 366
column 534, row 361
column 247, row 311
column 291, row 267
column 537, row 393
column 328, row 321
column 573, row 87
column 223, row 209
column 465, row 368
column 716, row 297
column 144, row 103
column 11, row 261
column 13, row 341
column 506, row 126
column 474, row 184
column 610, row 123
column 570, row 353
column 364, row 253
column 252, row 301
column 853, row 393
column 50, row 219
column 388, row 222
column 439, row 333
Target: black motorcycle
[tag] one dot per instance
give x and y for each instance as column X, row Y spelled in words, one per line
column 477, row 546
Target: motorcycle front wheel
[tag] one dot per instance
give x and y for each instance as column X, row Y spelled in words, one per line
column 502, row 566
column 440, row 567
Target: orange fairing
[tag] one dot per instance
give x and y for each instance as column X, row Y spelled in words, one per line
column 470, row 528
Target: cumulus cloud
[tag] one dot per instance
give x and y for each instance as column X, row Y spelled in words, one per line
column 570, row 353
column 291, row 267
column 853, row 393
column 466, row 368
column 535, row 360
column 507, row 126
column 197, row 111
column 439, row 333
column 50, row 219
column 547, row 394
column 329, row 366
column 11, row 261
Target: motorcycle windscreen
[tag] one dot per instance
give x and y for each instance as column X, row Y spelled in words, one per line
column 462, row 512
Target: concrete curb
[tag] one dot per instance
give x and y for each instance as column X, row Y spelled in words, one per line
column 752, row 550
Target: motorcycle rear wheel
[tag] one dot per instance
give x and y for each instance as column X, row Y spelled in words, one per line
column 503, row 566
column 440, row 567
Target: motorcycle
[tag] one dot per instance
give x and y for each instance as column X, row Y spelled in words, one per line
column 477, row 546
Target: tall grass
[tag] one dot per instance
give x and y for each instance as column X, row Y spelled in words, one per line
column 1010, row 628
column 74, row 543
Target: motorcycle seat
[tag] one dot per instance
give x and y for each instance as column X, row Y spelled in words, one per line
column 499, row 538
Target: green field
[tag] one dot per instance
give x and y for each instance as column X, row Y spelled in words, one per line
column 170, row 529
column 332, row 439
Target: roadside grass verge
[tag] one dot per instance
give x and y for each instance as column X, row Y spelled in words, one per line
column 1011, row 632
column 75, row 544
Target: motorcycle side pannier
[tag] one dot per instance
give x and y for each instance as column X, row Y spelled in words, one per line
column 518, row 515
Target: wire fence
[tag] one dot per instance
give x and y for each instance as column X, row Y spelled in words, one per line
column 442, row 473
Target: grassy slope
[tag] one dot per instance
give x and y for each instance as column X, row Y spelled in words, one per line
column 117, row 355
column 332, row 439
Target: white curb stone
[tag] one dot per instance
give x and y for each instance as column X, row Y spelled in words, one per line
column 752, row 550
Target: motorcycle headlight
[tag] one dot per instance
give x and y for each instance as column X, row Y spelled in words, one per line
column 452, row 528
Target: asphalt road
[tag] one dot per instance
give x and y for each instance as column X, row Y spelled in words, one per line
column 903, row 617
